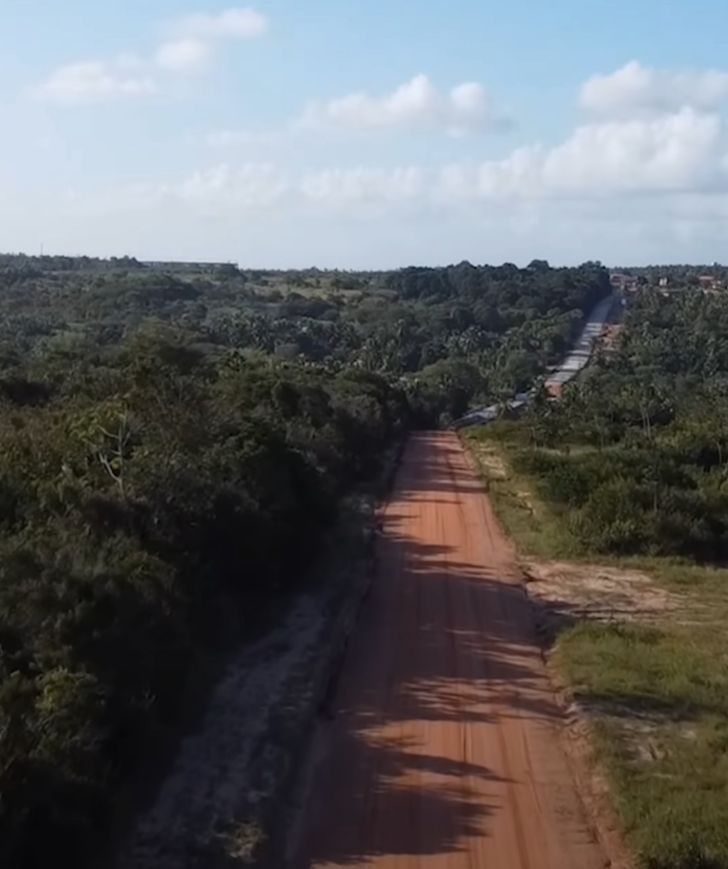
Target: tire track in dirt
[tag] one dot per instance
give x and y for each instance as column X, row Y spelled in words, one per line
column 445, row 749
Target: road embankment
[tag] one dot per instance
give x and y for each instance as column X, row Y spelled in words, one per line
column 221, row 803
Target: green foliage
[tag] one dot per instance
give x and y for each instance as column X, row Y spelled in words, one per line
column 139, row 528
column 174, row 443
column 635, row 455
column 662, row 731
column 508, row 323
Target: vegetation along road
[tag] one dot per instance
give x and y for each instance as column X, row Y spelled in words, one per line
column 444, row 747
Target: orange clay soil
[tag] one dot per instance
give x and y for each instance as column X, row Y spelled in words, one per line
column 444, row 749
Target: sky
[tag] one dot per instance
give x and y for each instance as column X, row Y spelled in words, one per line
column 377, row 134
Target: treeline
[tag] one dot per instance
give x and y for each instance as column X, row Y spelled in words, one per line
column 463, row 332
column 172, row 450
column 38, row 265
column 636, row 456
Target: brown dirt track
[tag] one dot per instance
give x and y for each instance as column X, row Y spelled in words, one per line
column 445, row 749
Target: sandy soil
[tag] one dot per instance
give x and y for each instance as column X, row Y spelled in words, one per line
column 565, row 593
column 445, row 748
column 223, row 769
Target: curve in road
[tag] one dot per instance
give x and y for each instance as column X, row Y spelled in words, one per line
column 445, row 746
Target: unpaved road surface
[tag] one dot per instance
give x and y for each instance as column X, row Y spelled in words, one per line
column 445, row 746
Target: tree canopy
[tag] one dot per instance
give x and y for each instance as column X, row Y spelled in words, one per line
column 173, row 445
column 636, row 455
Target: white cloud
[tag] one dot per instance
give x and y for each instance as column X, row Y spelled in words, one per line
column 679, row 151
column 94, row 82
column 415, row 104
column 130, row 62
column 296, row 233
column 518, row 176
column 636, row 90
column 470, row 105
column 677, row 156
column 250, row 185
column 131, row 76
column 603, row 165
column 361, row 184
column 182, row 55
column 220, row 189
column 684, row 151
column 239, row 138
column 230, row 24
column 636, row 178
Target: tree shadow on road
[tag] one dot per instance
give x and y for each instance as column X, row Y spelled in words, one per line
column 444, row 648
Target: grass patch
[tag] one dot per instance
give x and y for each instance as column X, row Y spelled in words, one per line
column 658, row 694
column 667, row 671
column 535, row 526
column 661, row 704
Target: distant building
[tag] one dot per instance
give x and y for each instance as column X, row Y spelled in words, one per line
column 622, row 282
column 709, row 283
column 664, row 283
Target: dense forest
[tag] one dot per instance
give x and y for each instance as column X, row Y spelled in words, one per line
column 173, row 445
column 453, row 333
column 636, row 455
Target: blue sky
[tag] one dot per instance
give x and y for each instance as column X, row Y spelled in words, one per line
column 378, row 134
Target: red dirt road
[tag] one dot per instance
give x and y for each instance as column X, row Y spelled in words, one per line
column 445, row 746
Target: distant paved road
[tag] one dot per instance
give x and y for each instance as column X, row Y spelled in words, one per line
column 445, row 748
column 583, row 350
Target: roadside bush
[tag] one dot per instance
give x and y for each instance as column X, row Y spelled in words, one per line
column 611, row 519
